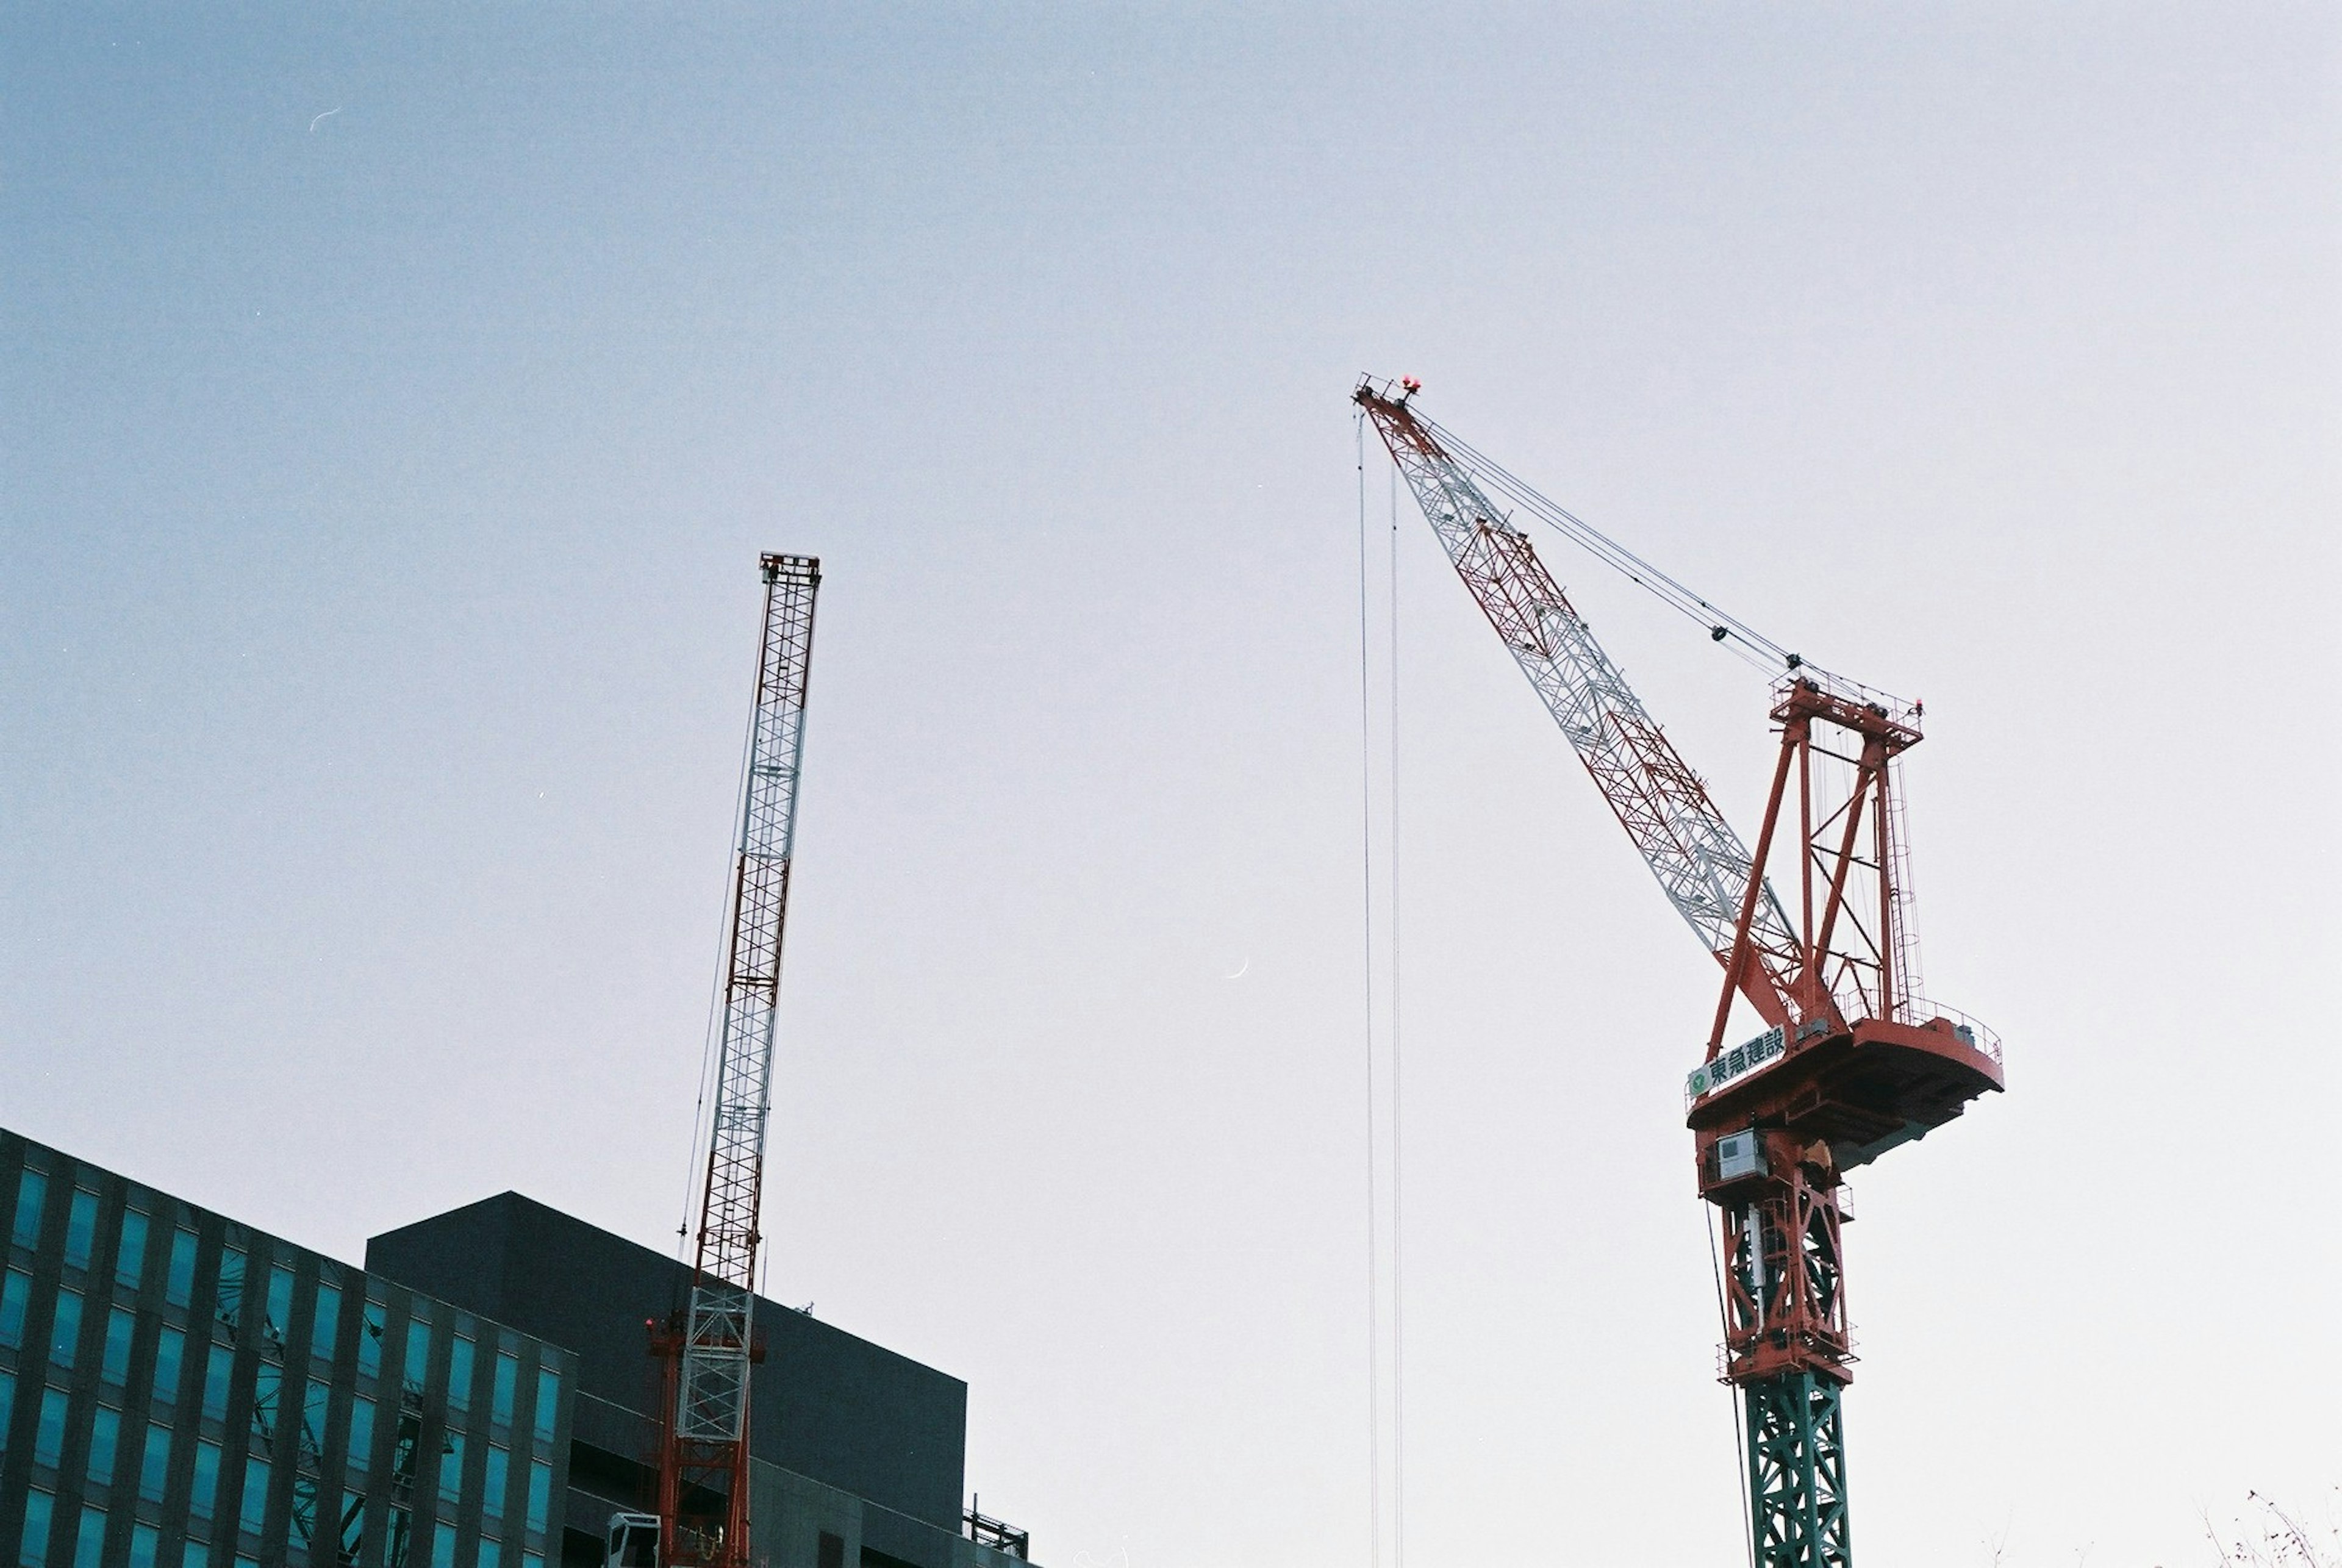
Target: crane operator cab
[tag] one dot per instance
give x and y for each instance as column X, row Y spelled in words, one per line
column 634, row 1541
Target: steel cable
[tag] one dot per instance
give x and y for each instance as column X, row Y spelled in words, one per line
column 1740, row 1453
column 1398, row 1236
column 1753, row 648
column 702, row 1127
column 1367, row 859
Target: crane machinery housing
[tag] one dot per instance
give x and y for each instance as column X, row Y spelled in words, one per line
column 708, row 1349
column 1851, row 1062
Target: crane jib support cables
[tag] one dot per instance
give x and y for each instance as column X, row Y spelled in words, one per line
column 709, row 1348
column 1851, row 1062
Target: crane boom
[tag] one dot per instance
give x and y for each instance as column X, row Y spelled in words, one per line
column 1701, row 863
column 703, row 1450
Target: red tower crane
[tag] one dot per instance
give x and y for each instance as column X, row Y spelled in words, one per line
column 1852, row 1062
column 709, row 1348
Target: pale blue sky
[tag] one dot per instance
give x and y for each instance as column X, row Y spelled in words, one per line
column 383, row 495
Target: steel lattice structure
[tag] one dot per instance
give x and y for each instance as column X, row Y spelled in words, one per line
column 1701, row 865
column 1797, row 1469
column 704, row 1449
column 1852, row 1064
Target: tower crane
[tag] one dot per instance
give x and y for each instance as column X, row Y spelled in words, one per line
column 1852, row 1062
column 708, row 1348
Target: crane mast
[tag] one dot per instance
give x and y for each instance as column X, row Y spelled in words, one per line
column 710, row 1347
column 1852, row 1062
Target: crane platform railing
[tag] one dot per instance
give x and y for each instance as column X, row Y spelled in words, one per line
column 1753, row 1056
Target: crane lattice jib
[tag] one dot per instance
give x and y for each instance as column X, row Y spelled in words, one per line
column 713, row 1394
column 1699, row 862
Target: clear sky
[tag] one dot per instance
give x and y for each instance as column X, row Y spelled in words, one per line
column 397, row 399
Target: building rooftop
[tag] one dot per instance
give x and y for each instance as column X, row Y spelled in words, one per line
column 825, row 1404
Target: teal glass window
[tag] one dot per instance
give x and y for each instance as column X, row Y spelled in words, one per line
column 221, row 1368
column 442, row 1547
column 508, row 1382
column 450, row 1470
column 130, row 1250
column 313, row 1414
column 65, row 1330
column 490, row 1551
column 418, row 1347
column 144, row 1540
column 49, row 1437
column 267, row 1385
column 104, row 1434
column 325, row 1321
column 7, row 1407
column 280, row 1300
column 459, row 1372
column 540, row 1494
column 179, row 1283
column 89, row 1547
column 370, row 1339
column 206, row 1486
column 33, row 1549
column 228, row 1301
column 81, row 1228
column 195, row 1554
column 548, row 1401
column 32, row 1197
column 361, row 1432
column 15, row 1290
column 154, row 1464
column 170, row 1349
column 498, row 1477
column 119, row 1326
column 531, row 1560
column 304, row 1509
column 353, row 1515
column 255, row 1512
column 403, row 1450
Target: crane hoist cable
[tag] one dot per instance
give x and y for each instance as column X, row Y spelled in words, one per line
column 1383, row 1002
column 1373, row 1165
column 1721, row 626
column 1753, row 647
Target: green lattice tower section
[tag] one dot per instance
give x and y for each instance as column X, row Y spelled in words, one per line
column 1797, row 1470
column 1786, row 1347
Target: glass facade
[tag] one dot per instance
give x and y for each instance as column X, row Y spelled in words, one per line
column 178, row 1391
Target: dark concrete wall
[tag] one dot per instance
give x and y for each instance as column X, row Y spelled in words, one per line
column 826, row 1404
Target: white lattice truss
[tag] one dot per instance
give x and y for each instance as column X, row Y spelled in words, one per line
column 1699, row 862
column 713, row 1392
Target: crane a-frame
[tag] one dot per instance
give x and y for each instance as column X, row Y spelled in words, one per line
column 707, row 1349
column 1852, row 1062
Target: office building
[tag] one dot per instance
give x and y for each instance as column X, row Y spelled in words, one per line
column 180, row 1391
